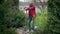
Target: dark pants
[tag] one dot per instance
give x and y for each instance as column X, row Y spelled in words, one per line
column 29, row 23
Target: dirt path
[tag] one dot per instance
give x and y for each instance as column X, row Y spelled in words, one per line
column 20, row 31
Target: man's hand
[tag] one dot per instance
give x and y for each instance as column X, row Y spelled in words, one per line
column 25, row 8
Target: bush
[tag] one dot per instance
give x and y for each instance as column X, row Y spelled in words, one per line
column 9, row 17
column 53, row 26
column 20, row 19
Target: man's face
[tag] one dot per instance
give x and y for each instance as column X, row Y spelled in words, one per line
column 31, row 4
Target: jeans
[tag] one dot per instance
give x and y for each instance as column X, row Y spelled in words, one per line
column 29, row 23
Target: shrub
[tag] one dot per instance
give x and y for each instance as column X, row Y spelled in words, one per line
column 10, row 16
column 53, row 26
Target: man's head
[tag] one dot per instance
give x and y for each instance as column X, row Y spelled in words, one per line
column 31, row 4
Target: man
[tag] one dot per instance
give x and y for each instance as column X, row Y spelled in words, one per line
column 31, row 15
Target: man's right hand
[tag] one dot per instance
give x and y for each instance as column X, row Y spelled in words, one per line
column 25, row 8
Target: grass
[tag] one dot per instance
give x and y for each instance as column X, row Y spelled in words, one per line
column 41, row 20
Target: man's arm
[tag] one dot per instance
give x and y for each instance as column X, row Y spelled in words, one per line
column 32, row 7
column 27, row 8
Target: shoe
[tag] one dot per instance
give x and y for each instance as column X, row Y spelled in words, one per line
column 27, row 32
column 32, row 30
column 35, row 27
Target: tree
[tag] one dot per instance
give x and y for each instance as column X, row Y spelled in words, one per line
column 10, row 16
column 41, row 3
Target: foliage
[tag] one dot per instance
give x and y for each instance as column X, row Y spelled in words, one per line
column 9, row 17
column 53, row 26
column 1, row 1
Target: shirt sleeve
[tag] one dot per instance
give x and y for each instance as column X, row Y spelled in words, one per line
column 31, row 8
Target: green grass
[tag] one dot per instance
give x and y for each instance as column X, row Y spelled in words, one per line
column 41, row 20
